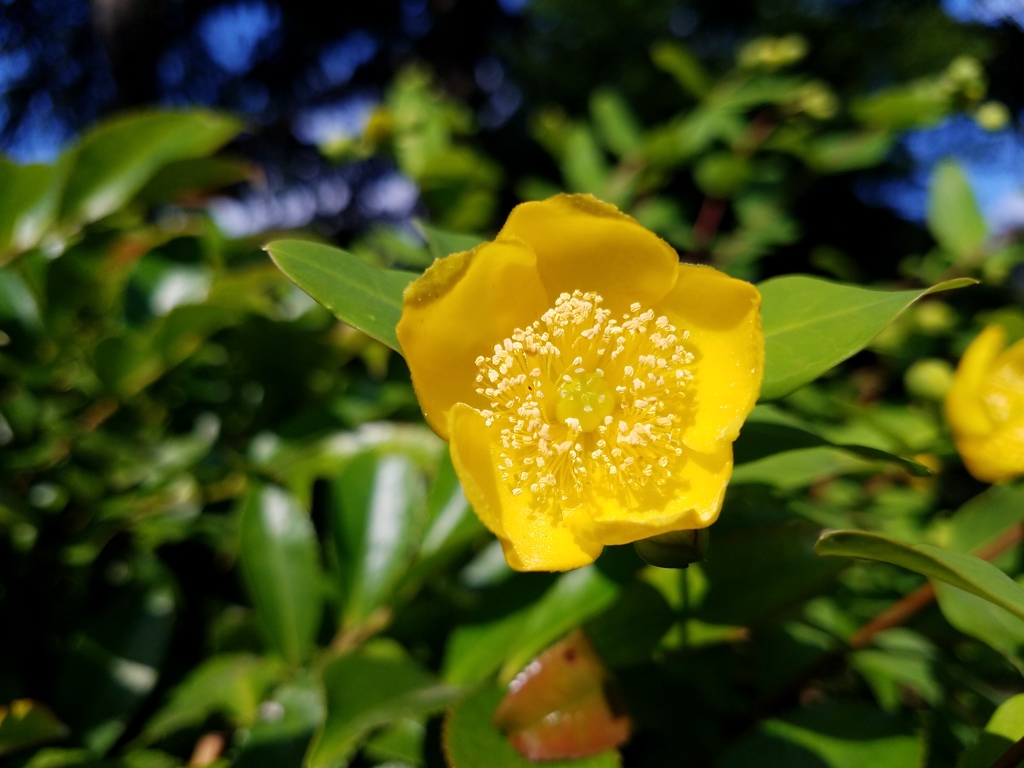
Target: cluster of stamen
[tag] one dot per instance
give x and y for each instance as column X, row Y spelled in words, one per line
column 583, row 399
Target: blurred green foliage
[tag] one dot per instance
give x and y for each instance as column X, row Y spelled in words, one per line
column 221, row 514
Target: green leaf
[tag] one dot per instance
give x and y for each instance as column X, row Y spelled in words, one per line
column 364, row 296
column 965, row 572
column 583, row 163
column 766, row 433
column 512, row 638
column 980, row 520
column 232, row 685
column 1004, row 729
column 471, row 739
column 686, row 69
column 282, row 734
column 375, row 686
column 831, row 735
column 377, row 516
column 953, row 217
column 444, row 243
column 575, row 597
column 17, row 301
column 281, row 564
column 451, row 526
column 29, row 198
column 810, row 325
column 117, row 660
column 118, row 157
column 615, row 122
column 25, row 723
column 194, row 176
column 980, row 619
column 850, row 151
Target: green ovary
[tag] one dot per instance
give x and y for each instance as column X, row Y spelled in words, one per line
column 588, row 398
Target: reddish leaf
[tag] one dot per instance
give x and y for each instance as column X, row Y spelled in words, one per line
column 562, row 705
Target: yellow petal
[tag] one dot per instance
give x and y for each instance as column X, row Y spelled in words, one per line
column 531, row 540
column 584, row 244
column 723, row 319
column 458, row 310
column 965, row 409
column 996, row 457
column 695, row 504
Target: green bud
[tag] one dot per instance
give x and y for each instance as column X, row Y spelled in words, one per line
column 678, row 549
column 992, row 116
column 929, row 379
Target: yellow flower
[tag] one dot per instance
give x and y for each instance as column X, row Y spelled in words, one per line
column 591, row 385
column 985, row 407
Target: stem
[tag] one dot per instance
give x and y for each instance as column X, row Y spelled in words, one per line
column 709, row 218
column 903, row 609
column 207, row 749
column 1012, row 757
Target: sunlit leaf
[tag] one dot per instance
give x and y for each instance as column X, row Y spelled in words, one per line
column 965, row 572
column 810, row 325
column 29, row 200
column 281, row 564
column 953, row 217
column 509, row 639
column 377, row 516
column 117, row 158
column 364, row 296
column 231, row 685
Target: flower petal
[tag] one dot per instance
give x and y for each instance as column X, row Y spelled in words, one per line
column 722, row 316
column 458, row 310
column 696, row 504
column 996, row 457
column 531, row 540
column 965, row 409
column 584, row 244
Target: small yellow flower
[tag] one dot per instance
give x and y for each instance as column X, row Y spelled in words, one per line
column 591, row 385
column 985, row 407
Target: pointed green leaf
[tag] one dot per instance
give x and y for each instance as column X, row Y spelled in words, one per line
column 765, row 434
column 508, row 639
column 615, row 122
column 810, row 325
column 965, row 572
column 281, row 564
column 980, row 619
column 831, row 735
column 377, row 516
column 26, row 723
column 232, row 685
column 375, row 686
column 1005, row 727
column 118, row 157
column 364, row 296
column 954, row 218
column 29, row 198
